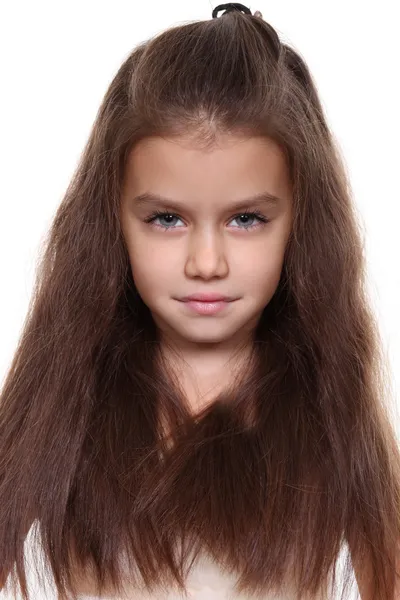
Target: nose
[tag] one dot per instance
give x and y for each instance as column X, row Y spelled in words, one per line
column 206, row 257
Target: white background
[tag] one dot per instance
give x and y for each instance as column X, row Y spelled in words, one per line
column 58, row 58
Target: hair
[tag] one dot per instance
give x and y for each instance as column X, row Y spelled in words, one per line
column 80, row 451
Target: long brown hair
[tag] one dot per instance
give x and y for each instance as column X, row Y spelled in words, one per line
column 80, row 451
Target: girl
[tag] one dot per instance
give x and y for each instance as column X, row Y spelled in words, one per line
column 196, row 404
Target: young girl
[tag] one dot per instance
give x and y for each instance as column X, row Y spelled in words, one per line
column 196, row 406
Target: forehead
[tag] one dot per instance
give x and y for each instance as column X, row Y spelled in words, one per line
column 233, row 167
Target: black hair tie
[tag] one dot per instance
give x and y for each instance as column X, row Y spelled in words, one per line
column 230, row 7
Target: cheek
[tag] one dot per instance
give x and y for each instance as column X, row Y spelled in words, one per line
column 149, row 273
column 262, row 276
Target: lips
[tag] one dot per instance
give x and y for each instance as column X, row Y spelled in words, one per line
column 206, row 298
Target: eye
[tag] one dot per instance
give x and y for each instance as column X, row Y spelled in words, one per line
column 169, row 217
column 161, row 215
column 251, row 215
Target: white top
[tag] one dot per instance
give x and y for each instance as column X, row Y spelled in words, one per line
column 205, row 581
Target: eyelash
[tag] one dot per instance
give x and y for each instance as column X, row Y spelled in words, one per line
column 252, row 213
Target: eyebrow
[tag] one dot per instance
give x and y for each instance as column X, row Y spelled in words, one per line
column 263, row 198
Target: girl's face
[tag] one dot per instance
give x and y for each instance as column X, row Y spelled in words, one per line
column 203, row 242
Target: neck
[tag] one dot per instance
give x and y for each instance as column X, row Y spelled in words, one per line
column 204, row 370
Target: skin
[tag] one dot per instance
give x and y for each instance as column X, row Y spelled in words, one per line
column 206, row 246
